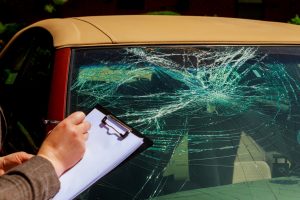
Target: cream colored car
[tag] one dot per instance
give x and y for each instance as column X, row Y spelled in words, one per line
column 219, row 97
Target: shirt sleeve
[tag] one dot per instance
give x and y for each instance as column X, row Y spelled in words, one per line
column 32, row 180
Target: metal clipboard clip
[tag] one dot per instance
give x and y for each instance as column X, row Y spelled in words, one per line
column 120, row 129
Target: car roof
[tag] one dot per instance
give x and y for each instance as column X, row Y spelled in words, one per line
column 155, row 29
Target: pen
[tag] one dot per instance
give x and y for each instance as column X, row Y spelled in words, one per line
column 49, row 121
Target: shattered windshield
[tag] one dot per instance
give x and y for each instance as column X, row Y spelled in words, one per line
column 224, row 119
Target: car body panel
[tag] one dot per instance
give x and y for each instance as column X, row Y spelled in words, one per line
column 145, row 29
column 187, row 29
column 58, row 93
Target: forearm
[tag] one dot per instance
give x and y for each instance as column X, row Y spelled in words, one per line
column 34, row 180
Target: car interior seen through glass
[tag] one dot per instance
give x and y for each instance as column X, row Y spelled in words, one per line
column 224, row 119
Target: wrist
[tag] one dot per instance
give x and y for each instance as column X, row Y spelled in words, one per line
column 59, row 169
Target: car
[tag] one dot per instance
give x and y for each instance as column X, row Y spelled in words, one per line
column 219, row 97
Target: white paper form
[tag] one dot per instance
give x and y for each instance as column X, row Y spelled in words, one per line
column 104, row 151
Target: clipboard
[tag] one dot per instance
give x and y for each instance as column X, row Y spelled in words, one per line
column 111, row 142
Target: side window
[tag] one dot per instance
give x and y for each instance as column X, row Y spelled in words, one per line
column 25, row 78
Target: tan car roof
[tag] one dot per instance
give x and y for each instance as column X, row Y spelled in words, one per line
column 147, row 29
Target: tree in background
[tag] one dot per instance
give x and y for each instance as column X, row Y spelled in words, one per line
column 163, row 13
column 16, row 14
column 51, row 7
column 7, row 31
column 295, row 20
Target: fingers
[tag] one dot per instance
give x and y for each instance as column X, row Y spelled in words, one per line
column 12, row 160
column 22, row 156
column 74, row 123
column 76, row 117
column 83, row 127
column 85, row 135
column 65, row 146
column 18, row 157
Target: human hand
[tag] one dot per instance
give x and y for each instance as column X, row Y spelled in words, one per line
column 65, row 145
column 12, row 160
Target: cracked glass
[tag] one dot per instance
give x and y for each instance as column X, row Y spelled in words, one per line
column 224, row 119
